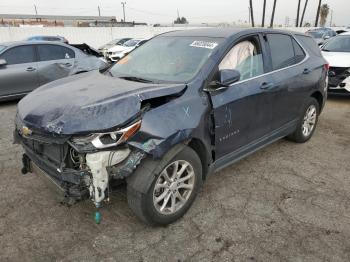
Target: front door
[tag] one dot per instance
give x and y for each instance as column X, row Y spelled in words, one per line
column 242, row 111
column 19, row 75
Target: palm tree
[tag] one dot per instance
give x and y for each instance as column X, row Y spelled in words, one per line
column 251, row 11
column 318, row 12
column 263, row 18
column 324, row 11
column 273, row 13
column 298, row 11
column 302, row 16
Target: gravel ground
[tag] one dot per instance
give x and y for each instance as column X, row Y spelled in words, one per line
column 287, row 202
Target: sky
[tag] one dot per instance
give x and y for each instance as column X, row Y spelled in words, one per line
column 165, row 11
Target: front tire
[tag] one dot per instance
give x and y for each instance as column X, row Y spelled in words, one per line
column 172, row 191
column 307, row 123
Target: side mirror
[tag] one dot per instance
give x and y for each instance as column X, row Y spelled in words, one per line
column 3, row 62
column 228, row 77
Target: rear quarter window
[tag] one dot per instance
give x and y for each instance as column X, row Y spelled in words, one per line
column 309, row 44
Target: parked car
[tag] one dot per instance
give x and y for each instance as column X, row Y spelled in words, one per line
column 337, row 52
column 116, row 42
column 25, row 66
column 48, row 38
column 116, row 53
column 321, row 34
column 179, row 108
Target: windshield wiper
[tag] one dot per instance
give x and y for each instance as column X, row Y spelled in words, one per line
column 136, row 79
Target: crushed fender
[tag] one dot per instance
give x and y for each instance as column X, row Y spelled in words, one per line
column 126, row 168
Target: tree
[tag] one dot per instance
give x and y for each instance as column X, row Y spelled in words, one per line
column 302, row 16
column 181, row 20
column 251, row 11
column 273, row 13
column 324, row 11
column 318, row 12
column 298, row 11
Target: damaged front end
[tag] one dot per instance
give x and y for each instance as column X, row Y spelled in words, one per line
column 80, row 167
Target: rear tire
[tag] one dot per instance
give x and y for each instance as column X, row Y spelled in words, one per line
column 307, row 123
column 171, row 193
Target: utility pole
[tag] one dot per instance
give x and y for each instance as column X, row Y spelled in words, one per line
column 318, row 13
column 298, row 11
column 123, row 4
column 273, row 13
column 331, row 21
column 36, row 10
column 251, row 12
column 263, row 17
column 302, row 16
column 99, row 11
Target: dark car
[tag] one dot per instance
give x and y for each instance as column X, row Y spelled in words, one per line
column 322, row 34
column 25, row 66
column 56, row 38
column 179, row 108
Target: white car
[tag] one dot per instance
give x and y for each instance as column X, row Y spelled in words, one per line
column 117, row 52
column 337, row 52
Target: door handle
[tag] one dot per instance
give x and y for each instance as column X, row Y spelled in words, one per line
column 29, row 69
column 267, row 86
column 306, row 71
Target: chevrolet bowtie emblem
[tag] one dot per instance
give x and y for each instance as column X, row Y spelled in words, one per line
column 26, row 131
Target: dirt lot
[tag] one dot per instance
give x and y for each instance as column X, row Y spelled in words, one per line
column 288, row 202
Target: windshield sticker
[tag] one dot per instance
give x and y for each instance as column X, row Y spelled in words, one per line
column 204, row 44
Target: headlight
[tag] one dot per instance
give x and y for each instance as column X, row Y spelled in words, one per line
column 105, row 140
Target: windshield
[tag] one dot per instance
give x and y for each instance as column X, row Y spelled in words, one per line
column 174, row 59
column 316, row 34
column 131, row 42
column 2, row 47
column 338, row 44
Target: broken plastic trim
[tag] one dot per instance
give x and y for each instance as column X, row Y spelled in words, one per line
column 127, row 167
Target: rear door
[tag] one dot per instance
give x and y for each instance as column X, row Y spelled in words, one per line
column 289, row 75
column 19, row 76
column 54, row 62
column 242, row 111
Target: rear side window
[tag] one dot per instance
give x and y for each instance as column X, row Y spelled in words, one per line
column 19, row 55
column 54, row 52
column 282, row 52
column 310, row 44
column 299, row 54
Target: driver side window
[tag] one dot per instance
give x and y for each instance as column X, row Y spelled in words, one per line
column 245, row 57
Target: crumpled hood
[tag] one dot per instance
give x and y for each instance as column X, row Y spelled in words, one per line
column 337, row 59
column 88, row 102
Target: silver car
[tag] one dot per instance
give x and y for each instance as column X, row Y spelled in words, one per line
column 25, row 66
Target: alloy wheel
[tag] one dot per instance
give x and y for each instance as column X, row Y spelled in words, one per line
column 173, row 187
column 309, row 120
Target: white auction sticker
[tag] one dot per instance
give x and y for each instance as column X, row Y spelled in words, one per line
column 204, row 44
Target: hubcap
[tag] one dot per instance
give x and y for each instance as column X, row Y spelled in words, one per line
column 309, row 120
column 173, row 187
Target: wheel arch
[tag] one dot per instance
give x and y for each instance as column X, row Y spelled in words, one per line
column 204, row 155
column 319, row 97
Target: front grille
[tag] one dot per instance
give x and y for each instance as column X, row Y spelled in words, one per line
column 55, row 153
